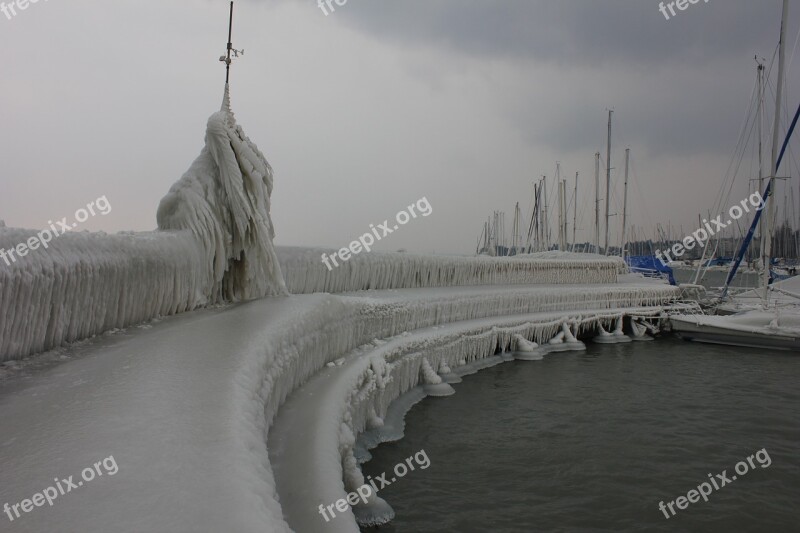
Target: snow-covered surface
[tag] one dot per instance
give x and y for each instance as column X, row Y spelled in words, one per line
column 185, row 404
column 783, row 321
column 782, row 293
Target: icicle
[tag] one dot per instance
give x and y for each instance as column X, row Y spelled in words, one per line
column 619, row 334
column 447, row 375
column 432, row 383
column 527, row 350
column 604, row 337
column 639, row 331
column 571, row 340
column 373, row 420
column 557, row 344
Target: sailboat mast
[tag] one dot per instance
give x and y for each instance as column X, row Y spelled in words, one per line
column 608, row 177
column 760, row 120
column 597, row 202
column 545, row 224
column 774, row 160
column 575, row 213
column 625, row 201
column 561, row 213
column 561, row 216
column 566, row 212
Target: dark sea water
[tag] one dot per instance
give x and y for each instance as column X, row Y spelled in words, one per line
column 593, row 441
column 716, row 278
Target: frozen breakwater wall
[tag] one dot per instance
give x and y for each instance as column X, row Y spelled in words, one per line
column 304, row 272
column 214, row 245
column 84, row 284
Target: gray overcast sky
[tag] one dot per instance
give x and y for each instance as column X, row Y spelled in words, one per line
column 378, row 104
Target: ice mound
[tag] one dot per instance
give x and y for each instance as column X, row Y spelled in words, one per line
column 224, row 200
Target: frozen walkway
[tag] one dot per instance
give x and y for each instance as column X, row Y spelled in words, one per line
column 183, row 405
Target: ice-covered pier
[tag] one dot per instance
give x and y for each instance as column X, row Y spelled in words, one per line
column 230, row 379
column 185, row 404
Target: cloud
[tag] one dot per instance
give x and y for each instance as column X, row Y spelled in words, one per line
column 576, row 32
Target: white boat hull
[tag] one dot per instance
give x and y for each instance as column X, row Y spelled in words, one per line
column 755, row 329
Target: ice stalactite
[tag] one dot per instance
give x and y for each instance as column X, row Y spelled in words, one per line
column 527, row 350
column 619, row 333
column 433, row 385
column 447, row 375
column 224, row 201
column 615, row 337
column 603, row 336
column 570, row 339
column 639, row 330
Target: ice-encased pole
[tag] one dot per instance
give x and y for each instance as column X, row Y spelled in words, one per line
column 230, row 47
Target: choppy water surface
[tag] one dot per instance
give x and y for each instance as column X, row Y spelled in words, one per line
column 594, row 441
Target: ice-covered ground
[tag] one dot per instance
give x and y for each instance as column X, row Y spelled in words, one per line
column 184, row 405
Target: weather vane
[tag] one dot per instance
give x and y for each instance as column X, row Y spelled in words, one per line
column 227, row 59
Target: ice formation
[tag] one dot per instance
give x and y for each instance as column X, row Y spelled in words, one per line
column 243, row 363
column 639, row 329
column 87, row 283
column 215, row 246
column 224, row 200
column 434, row 385
column 447, row 375
column 344, row 399
column 358, row 352
column 305, row 273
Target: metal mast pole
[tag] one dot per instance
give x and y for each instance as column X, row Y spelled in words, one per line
column 561, row 215
column 776, row 132
column 560, row 209
column 565, row 210
column 230, row 47
column 597, row 203
column 625, row 201
column 760, row 110
column 608, row 177
column 575, row 213
column 545, row 224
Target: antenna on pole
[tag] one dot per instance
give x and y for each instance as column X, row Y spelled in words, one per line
column 231, row 50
